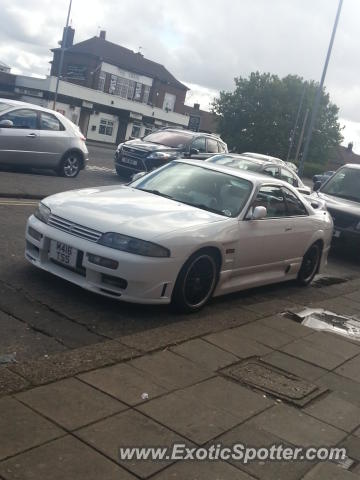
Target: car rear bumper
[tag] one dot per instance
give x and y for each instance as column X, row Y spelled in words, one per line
column 137, row 279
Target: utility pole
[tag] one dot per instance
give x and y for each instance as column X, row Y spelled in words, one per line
column 292, row 139
column 319, row 92
column 62, row 51
column 301, row 135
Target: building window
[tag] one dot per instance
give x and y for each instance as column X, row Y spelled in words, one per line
column 146, row 94
column 148, row 130
column 106, row 127
column 136, row 130
column 138, row 91
column 101, row 82
column 169, row 102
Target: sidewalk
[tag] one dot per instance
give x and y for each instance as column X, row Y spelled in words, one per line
column 65, row 417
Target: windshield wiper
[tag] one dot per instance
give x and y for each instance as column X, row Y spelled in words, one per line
column 156, row 192
column 204, row 207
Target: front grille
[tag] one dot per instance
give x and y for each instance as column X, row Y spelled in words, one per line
column 74, row 228
column 134, row 153
column 343, row 220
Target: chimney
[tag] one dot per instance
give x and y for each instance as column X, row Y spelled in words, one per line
column 196, row 106
column 102, row 34
column 350, row 147
column 69, row 33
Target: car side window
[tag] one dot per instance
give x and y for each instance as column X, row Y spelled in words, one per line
column 273, row 171
column 200, row 144
column 272, row 198
column 294, row 205
column 288, row 177
column 50, row 122
column 221, row 147
column 212, row 146
column 22, row 119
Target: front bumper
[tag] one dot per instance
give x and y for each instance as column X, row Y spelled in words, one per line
column 346, row 236
column 147, row 280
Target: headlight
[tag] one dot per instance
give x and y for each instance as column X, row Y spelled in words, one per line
column 42, row 212
column 133, row 245
column 119, row 147
column 161, row 155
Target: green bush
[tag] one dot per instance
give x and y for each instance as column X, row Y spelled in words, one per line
column 311, row 169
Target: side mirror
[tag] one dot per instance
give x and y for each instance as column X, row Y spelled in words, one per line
column 317, row 185
column 6, row 124
column 194, row 151
column 259, row 213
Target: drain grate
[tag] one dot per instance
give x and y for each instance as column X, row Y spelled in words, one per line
column 274, row 381
column 328, row 281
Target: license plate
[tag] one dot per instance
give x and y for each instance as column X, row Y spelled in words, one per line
column 63, row 253
column 129, row 161
column 336, row 233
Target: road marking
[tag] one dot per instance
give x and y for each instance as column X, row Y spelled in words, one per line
column 95, row 168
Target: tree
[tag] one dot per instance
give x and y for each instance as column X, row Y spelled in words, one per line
column 259, row 116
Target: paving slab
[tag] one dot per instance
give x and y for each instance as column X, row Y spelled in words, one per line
column 21, row 428
column 65, row 458
column 350, row 369
column 285, row 325
column 124, row 382
column 10, row 382
column 205, row 354
column 67, row 364
column 352, row 445
column 311, row 353
column 206, row 410
column 130, row 429
column 329, row 342
column 71, row 403
column 294, row 365
column 335, row 411
column 253, row 436
column 202, row 471
column 264, row 334
column 340, row 305
column 330, row 471
column 234, row 342
column 354, row 296
column 171, row 370
column 345, row 388
column 298, row 428
column 270, row 307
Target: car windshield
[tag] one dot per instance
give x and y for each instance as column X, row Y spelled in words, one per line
column 4, row 106
column 344, row 184
column 170, row 139
column 199, row 187
column 236, row 162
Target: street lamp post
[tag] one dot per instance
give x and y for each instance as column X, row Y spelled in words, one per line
column 62, row 51
column 318, row 93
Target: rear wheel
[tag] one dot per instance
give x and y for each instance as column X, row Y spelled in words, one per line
column 196, row 282
column 70, row 165
column 310, row 265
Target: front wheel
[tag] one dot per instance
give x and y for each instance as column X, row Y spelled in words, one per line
column 310, row 265
column 70, row 165
column 196, row 282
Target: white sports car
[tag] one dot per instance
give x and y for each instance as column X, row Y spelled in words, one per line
column 180, row 235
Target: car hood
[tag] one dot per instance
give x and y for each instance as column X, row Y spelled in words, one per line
column 128, row 211
column 148, row 146
column 340, row 204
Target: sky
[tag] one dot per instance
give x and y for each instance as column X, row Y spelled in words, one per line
column 204, row 43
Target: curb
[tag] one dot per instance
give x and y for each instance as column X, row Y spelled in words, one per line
column 22, row 196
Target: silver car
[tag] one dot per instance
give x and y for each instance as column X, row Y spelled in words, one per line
column 37, row 137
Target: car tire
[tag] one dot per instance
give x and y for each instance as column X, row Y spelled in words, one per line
column 196, row 282
column 70, row 165
column 310, row 265
column 124, row 172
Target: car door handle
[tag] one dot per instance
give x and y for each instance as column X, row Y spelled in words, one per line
column 32, row 135
column 288, row 229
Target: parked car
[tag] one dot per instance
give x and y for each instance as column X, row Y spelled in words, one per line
column 182, row 233
column 36, row 137
column 262, row 166
column 341, row 192
column 322, row 177
column 266, row 158
column 162, row 146
column 292, row 166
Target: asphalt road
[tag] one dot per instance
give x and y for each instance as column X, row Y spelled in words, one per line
column 41, row 314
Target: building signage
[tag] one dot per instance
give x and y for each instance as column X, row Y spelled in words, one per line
column 87, row 104
column 76, row 72
column 194, row 123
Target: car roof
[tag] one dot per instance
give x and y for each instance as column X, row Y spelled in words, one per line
column 18, row 103
column 352, row 165
column 190, row 132
column 253, row 177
